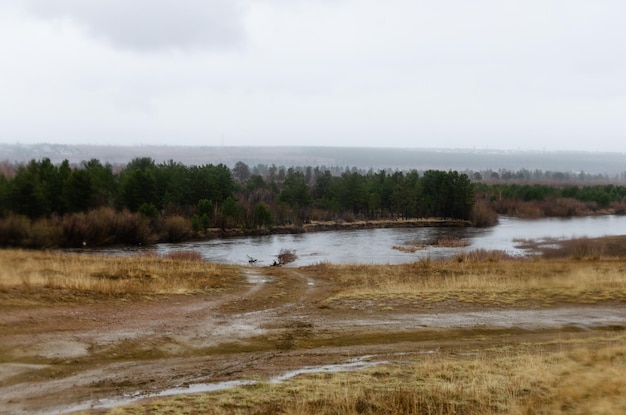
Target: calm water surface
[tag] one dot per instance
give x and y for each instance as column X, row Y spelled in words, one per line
column 374, row 246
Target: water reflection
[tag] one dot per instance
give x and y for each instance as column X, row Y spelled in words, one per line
column 375, row 246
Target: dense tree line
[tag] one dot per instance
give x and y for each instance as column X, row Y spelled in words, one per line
column 542, row 176
column 171, row 201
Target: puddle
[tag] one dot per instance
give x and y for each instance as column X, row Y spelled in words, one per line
column 238, row 328
column 203, row 388
column 581, row 316
column 62, row 349
column 255, row 277
column 351, row 366
column 416, row 353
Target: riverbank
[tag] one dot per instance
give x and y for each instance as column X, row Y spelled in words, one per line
column 326, row 226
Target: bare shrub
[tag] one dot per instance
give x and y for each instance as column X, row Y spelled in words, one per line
column 285, row 256
column 105, row 226
column 97, row 227
column 175, row 229
column 133, row 228
column 14, row 230
column 483, row 214
column 45, row 233
column 75, row 230
column 529, row 210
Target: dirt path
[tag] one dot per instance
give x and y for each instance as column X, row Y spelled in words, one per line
column 64, row 358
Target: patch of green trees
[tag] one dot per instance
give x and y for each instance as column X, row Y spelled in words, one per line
column 172, row 201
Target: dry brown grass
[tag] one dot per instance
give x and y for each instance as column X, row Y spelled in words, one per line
column 184, row 255
column 485, row 279
column 74, row 276
column 478, row 281
column 583, row 376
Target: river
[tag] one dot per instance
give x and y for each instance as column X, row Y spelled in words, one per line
column 375, row 246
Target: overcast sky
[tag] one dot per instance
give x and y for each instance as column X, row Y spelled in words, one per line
column 496, row 74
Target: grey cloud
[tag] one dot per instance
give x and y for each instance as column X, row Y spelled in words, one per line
column 143, row 25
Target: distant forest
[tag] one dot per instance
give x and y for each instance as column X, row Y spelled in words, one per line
column 507, row 165
column 46, row 205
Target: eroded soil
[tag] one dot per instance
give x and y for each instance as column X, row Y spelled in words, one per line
column 63, row 358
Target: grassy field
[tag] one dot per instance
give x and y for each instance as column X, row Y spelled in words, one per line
column 483, row 278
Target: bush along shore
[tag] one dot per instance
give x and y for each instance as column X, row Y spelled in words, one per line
column 106, row 227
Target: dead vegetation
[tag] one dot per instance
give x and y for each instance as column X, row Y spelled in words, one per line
column 286, row 256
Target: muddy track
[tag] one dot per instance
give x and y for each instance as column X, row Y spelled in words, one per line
column 64, row 358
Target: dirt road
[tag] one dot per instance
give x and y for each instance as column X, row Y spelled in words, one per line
column 67, row 358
